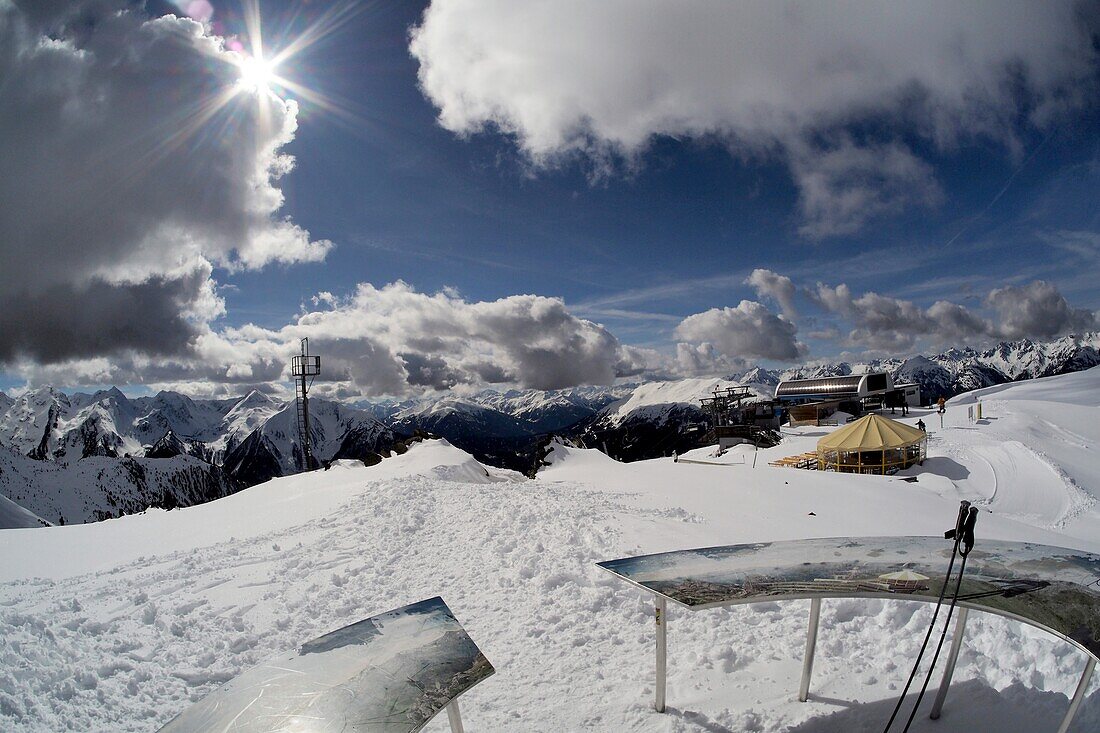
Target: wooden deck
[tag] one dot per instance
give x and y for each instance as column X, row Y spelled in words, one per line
column 806, row 461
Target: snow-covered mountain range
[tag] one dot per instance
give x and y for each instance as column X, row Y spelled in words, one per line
column 956, row 370
column 247, row 440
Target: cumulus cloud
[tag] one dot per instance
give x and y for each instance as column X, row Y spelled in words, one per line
column 749, row 331
column 1037, row 310
column 791, row 81
column 779, row 288
column 133, row 161
column 891, row 324
column 705, row 359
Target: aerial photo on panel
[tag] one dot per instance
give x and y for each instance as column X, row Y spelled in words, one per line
column 387, row 674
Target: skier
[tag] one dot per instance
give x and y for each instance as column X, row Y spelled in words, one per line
column 920, row 426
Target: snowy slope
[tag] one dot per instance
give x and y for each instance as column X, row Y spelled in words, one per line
column 13, row 516
column 1033, row 456
column 654, row 401
column 120, row 624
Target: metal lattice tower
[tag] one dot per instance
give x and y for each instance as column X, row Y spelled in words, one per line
column 305, row 367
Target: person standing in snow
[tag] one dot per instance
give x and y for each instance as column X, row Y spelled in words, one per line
column 920, row 426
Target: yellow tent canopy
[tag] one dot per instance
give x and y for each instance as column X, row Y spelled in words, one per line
column 872, row 432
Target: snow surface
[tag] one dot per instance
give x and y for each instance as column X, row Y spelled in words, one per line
column 119, row 625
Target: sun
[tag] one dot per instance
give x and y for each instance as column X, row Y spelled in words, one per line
column 257, row 74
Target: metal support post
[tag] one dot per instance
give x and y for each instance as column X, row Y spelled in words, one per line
column 949, row 665
column 453, row 717
column 811, row 644
column 662, row 648
column 1078, row 696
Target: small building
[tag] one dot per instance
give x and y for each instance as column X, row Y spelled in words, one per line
column 872, row 444
column 908, row 394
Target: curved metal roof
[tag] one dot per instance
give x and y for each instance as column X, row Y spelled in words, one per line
column 824, row 386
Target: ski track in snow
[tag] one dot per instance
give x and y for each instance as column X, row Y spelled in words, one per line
column 1026, row 483
column 128, row 648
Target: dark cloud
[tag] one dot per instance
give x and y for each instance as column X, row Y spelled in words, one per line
column 1037, row 310
column 131, row 159
column 62, row 322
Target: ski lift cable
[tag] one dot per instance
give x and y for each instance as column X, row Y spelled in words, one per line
column 957, row 535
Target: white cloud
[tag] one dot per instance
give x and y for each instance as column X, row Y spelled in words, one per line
column 117, row 196
column 789, row 80
column 749, row 331
column 704, row 360
column 394, row 340
column 768, row 284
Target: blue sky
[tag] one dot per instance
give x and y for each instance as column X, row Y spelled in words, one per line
column 403, row 198
column 533, row 166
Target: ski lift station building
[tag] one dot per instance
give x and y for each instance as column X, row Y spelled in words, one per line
column 847, row 388
column 850, row 387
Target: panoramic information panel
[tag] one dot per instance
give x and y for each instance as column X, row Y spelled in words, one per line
column 390, row 673
column 1055, row 588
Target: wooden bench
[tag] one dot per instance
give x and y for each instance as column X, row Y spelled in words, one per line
column 803, row 460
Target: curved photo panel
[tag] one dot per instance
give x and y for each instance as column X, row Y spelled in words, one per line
column 1054, row 588
column 390, row 673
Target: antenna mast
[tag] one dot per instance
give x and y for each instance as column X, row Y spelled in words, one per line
column 305, row 367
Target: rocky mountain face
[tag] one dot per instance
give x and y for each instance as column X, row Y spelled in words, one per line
column 504, row 429
column 336, row 430
column 102, row 487
column 659, row 418
column 85, row 457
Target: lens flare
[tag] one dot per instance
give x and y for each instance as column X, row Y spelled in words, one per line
column 257, row 74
